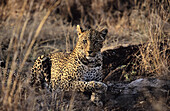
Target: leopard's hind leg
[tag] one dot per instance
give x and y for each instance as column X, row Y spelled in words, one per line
column 41, row 73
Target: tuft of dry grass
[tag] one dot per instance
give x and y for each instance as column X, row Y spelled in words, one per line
column 11, row 86
column 153, row 56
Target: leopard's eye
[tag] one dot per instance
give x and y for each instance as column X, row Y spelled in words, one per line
column 84, row 41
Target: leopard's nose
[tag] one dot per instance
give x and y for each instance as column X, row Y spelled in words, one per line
column 90, row 52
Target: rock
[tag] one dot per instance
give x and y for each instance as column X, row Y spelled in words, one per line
column 140, row 94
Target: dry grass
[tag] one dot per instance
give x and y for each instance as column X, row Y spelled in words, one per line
column 154, row 54
column 31, row 24
column 12, row 88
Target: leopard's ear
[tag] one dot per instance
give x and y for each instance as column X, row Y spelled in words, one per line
column 104, row 33
column 79, row 30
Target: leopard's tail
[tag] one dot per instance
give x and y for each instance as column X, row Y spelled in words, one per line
column 41, row 73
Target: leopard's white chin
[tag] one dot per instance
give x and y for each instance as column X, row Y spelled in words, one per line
column 89, row 58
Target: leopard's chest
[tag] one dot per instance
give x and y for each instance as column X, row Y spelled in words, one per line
column 92, row 70
column 89, row 74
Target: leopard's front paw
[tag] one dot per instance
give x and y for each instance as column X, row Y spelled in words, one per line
column 100, row 87
column 96, row 99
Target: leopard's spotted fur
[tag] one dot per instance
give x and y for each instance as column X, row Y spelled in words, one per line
column 80, row 70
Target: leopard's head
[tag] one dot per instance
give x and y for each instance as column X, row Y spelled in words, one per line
column 90, row 42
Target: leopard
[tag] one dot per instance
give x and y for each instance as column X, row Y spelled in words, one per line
column 79, row 70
